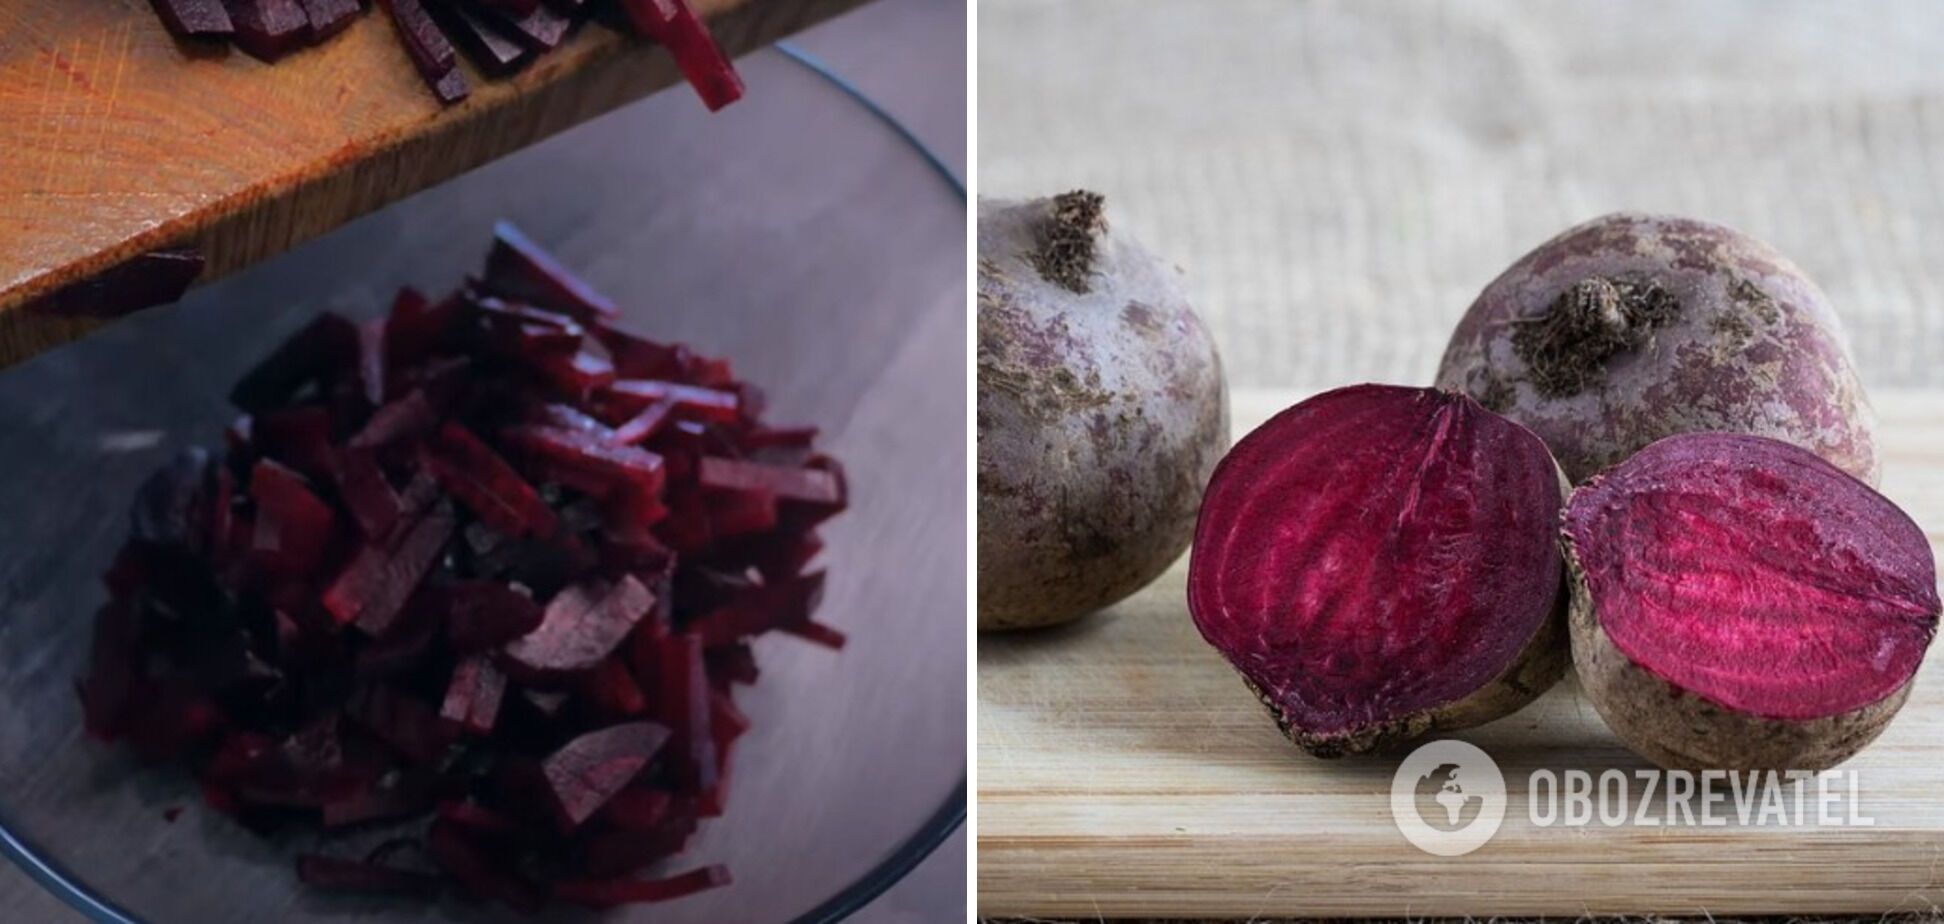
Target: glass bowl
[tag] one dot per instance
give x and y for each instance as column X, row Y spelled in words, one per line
column 793, row 233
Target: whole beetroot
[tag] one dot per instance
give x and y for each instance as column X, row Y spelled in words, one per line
column 1101, row 413
column 1631, row 327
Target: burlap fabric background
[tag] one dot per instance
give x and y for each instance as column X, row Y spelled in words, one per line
column 1340, row 179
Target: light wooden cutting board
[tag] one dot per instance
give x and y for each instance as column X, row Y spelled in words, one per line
column 1124, row 771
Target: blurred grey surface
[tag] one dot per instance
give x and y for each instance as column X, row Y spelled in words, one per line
column 581, row 190
column 1340, row 179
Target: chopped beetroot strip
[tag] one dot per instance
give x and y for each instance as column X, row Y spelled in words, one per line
column 411, row 727
column 319, row 347
column 612, row 691
column 644, row 425
column 372, row 589
column 195, row 18
column 589, row 770
column 410, row 797
column 675, row 26
column 406, row 417
column 451, row 847
column 516, row 268
column 582, row 625
column 636, row 395
column 484, row 41
column 588, row 454
column 477, row 818
column 819, row 633
column 487, row 614
column 430, row 50
column 374, row 505
column 620, row 850
column 800, row 484
column 472, row 701
column 329, row 17
column 481, row 480
column 299, row 437
column 269, row 29
column 782, row 605
column 683, row 702
column 354, row 876
column 156, row 278
column 540, row 28
column 613, row 893
column 553, row 581
column 579, row 374
column 294, row 529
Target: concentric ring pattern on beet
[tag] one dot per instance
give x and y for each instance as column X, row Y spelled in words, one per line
column 481, row 574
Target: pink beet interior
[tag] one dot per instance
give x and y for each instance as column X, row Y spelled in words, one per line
column 1375, row 552
column 1755, row 574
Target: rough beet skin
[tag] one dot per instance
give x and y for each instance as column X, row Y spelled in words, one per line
column 1380, row 562
column 1740, row 604
column 1630, row 328
column 1101, row 412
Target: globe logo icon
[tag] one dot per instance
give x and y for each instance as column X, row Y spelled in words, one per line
column 1448, row 798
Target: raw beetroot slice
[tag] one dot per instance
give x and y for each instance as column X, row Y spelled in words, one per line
column 1739, row 603
column 450, row 571
column 1378, row 562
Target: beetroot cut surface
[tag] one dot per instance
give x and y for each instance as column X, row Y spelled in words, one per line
column 442, row 575
column 1378, row 562
column 1754, row 575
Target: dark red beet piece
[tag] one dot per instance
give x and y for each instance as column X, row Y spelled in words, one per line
column 683, row 703
column 299, row 437
column 590, row 769
column 326, row 343
column 339, row 875
column 613, row 893
column 590, row 456
column 582, row 625
column 540, row 28
column 635, row 395
column 487, row 614
column 490, row 48
column 269, row 29
column 472, row 702
column 675, row 26
column 381, row 576
column 406, row 417
column 481, row 480
column 780, row 605
column 374, row 505
column 411, row 727
column 156, row 278
column 517, row 268
column 801, row 484
column 454, row 850
column 294, row 528
column 329, row 17
column 430, row 50
column 1378, row 562
column 194, row 18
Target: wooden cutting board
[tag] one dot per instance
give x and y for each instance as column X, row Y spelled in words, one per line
column 1124, row 771
column 115, row 140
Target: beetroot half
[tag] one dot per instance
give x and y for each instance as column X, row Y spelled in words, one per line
column 1380, row 562
column 1741, row 604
